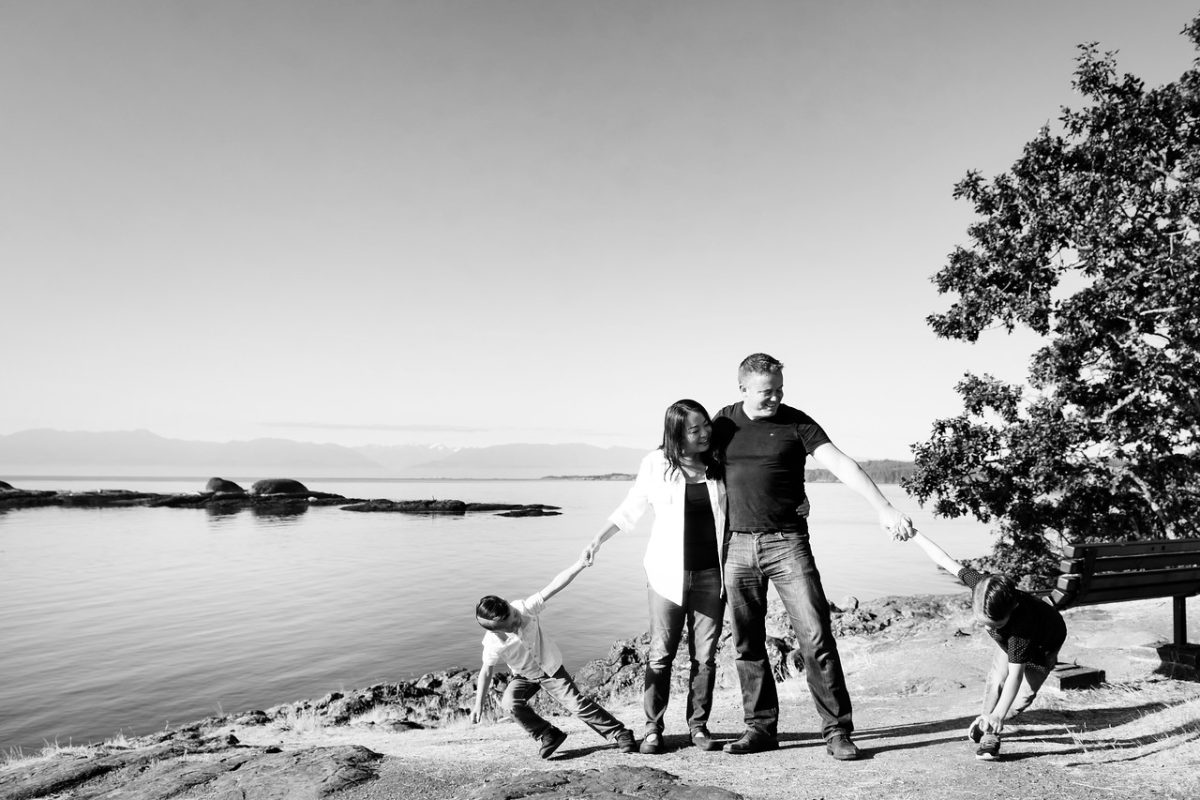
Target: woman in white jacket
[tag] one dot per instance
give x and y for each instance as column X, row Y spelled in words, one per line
column 682, row 482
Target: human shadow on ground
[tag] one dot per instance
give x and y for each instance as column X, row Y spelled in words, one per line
column 1092, row 720
column 682, row 742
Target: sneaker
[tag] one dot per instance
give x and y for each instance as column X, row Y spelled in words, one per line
column 652, row 744
column 989, row 747
column 704, row 741
column 975, row 732
column 551, row 739
column 626, row 742
column 840, row 747
column 752, row 742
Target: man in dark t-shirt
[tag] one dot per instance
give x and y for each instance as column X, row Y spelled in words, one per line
column 764, row 445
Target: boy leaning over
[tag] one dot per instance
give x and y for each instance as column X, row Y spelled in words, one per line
column 515, row 636
column 1029, row 633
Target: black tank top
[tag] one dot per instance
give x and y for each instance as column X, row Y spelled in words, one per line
column 699, row 532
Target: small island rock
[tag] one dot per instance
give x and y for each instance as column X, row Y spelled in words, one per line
column 215, row 485
column 279, row 486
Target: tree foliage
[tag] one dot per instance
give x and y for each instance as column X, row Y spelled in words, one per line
column 1091, row 241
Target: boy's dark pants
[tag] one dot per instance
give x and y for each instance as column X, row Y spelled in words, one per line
column 560, row 686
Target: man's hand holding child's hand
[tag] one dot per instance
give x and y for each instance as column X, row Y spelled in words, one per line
column 900, row 526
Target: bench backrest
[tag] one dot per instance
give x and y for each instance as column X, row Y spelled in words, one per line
column 1106, row 572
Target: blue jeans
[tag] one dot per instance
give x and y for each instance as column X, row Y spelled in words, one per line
column 703, row 611
column 521, row 690
column 785, row 559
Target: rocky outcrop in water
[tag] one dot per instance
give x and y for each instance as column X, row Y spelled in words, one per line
column 278, row 486
column 222, row 485
column 271, row 497
column 452, row 507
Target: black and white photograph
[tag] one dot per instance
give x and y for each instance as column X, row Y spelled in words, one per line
column 547, row 399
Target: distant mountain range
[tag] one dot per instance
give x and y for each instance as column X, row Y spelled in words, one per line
column 142, row 453
column 145, row 454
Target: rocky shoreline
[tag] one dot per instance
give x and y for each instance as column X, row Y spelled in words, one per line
column 912, row 662
column 142, row 767
column 268, row 497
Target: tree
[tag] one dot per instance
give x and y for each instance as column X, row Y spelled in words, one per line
column 1090, row 240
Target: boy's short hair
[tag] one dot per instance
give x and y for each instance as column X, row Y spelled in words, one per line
column 491, row 608
column 994, row 597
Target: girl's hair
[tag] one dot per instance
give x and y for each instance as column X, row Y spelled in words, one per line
column 491, row 608
column 994, row 597
column 675, row 423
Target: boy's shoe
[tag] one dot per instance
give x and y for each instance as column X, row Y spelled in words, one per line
column 975, row 732
column 651, row 745
column 551, row 739
column 989, row 747
column 752, row 742
column 704, row 741
column 840, row 747
column 626, row 742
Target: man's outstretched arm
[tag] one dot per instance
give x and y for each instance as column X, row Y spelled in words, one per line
column 848, row 471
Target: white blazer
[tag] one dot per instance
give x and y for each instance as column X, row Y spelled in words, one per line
column 664, row 553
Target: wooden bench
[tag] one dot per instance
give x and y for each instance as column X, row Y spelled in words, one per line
column 1106, row 572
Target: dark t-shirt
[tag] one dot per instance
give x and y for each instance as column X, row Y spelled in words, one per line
column 764, row 465
column 1033, row 633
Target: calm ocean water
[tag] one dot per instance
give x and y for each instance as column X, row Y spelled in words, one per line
column 127, row 620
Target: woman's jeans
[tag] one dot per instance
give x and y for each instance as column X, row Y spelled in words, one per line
column 785, row 559
column 703, row 612
column 521, row 690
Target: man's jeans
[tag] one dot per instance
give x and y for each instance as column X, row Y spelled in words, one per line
column 560, row 686
column 785, row 559
column 703, row 611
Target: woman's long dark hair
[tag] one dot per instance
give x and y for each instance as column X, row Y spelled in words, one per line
column 675, row 434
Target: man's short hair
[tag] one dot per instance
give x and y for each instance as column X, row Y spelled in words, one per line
column 759, row 364
column 491, row 608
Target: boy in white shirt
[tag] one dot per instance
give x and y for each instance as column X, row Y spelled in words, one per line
column 515, row 636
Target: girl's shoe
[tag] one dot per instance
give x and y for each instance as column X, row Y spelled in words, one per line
column 989, row 747
column 975, row 732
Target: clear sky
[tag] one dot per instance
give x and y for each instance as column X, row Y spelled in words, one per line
column 485, row 222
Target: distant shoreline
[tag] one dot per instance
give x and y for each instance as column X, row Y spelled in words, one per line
column 883, row 471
